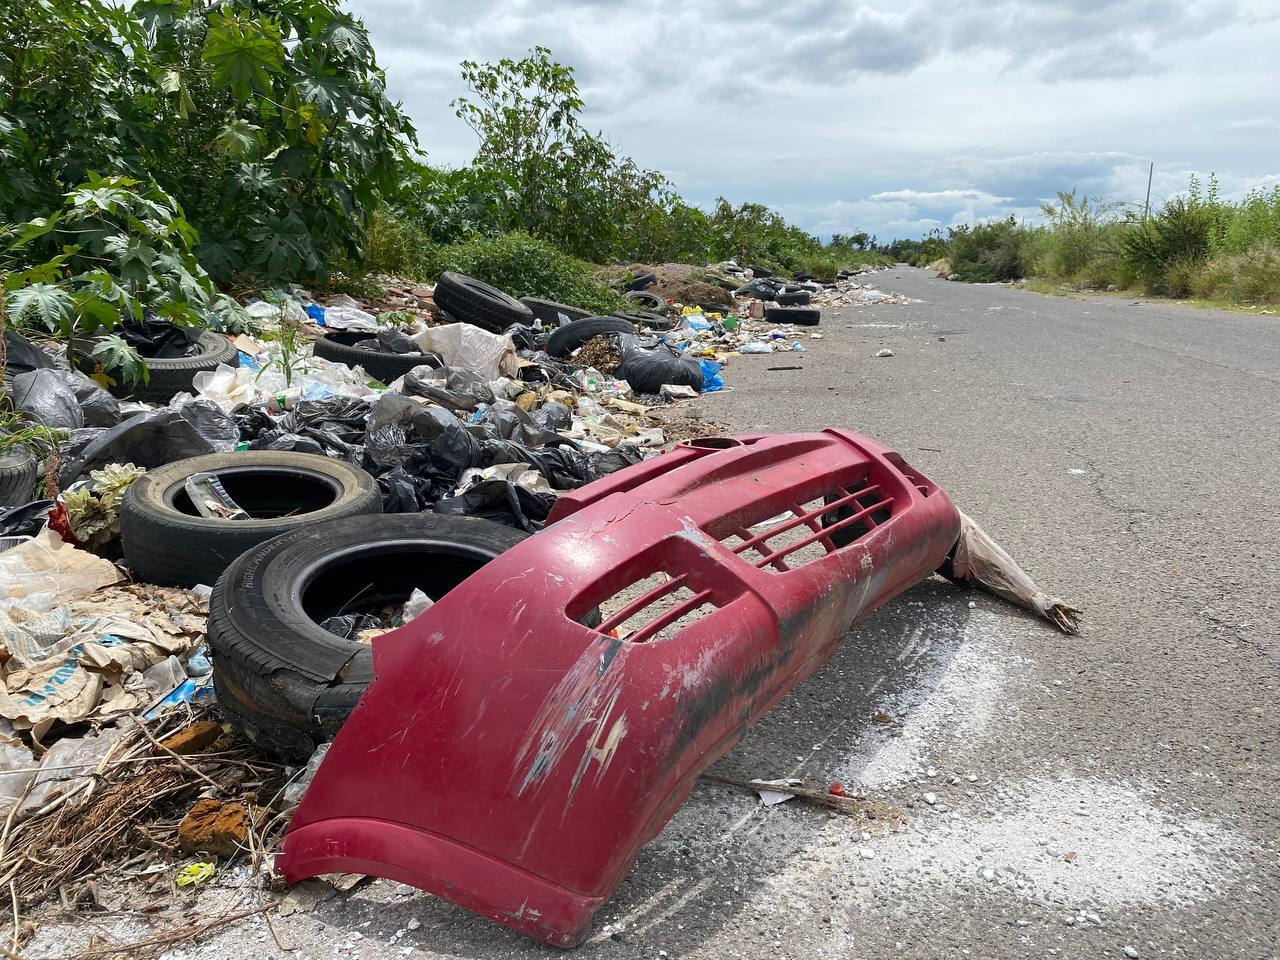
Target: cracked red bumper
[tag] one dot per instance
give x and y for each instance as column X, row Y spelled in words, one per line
column 513, row 760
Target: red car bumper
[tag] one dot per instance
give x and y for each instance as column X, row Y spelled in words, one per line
column 513, row 759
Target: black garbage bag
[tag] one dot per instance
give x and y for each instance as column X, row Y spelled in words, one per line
column 64, row 398
column 393, row 341
column 500, row 500
column 539, row 367
column 153, row 439
column 45, row 398
column 760, row 288
column 350, row 626
column 334, row 426
column 403, row 433
column 565, row 467
column 646, row 366
column 454, row 388
column 26, row 520
column 160, row 339
column 23, row 356
column 525, row 336
column 405, row 492
column 503, row 420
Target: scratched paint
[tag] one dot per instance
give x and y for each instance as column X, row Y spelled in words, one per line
column 584, row 695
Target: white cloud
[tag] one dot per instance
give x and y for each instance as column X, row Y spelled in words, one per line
column 890, row 116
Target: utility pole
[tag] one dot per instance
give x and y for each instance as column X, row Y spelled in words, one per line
column 1146, row 210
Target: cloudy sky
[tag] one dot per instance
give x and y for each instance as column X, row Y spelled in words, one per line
column 892, row 117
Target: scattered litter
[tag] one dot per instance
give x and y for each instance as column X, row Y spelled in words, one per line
column 980, row 561
column 194, row 874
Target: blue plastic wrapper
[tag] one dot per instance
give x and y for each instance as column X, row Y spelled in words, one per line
column 191, row 690
column 316, row 313
column 711, row 379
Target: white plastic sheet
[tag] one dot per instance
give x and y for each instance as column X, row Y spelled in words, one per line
column 491, row 355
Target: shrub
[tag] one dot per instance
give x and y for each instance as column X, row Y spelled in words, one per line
column 524, row 266
column 1164, row 250
column 988, row 252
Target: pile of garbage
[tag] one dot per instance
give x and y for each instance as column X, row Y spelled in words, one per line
column 446, row 401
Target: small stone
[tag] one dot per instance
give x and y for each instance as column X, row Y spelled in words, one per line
column 884, row 352
column 414, row 923
column 403, row 890
column 972, row 605
column 931, row 772
column 867, row 853
column 1070, row 921
column 356, row 935
column 988, row 873
column 1131, row 951
column 931, row 798
column 866, row 835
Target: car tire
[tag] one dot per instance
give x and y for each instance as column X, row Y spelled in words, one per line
column 549, row 312
column 641, row 281
column 800, row 316
column 168, row 376
column 648, row 319
column 285, row 682
column 18, row 473
column 479, row 304
column 758, row 272
column 383, row 365
column 796, row 298
column 646, row 300
column 564, row 340
column 166, row 543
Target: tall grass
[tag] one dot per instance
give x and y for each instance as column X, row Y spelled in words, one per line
column 1195, row 245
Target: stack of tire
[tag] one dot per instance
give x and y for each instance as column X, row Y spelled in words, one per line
column 316, row 545
column 788, row 302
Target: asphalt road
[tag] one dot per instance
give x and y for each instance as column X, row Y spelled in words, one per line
column 1117, row 789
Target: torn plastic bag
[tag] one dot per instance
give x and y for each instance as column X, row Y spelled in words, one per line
column 646, row 368
column 402, row 432
column 150, row 440
column 454, row 388
column 553, row 416
column 67, row 395
column 350, row 626
column 396, row 342
column 26, row 520
column 405, row 492
column 503, row 420
column 525, row 336
column 23, row 356
column 977, row 560
column 160, row 339
column 334, row 426
column 503, row 501
column 490, row 355
column 565, row 467
column 759, row 288
column 538, row 367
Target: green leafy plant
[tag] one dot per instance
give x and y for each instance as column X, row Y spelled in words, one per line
column 118, row 250
column 526, row 267
column 93, row 510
